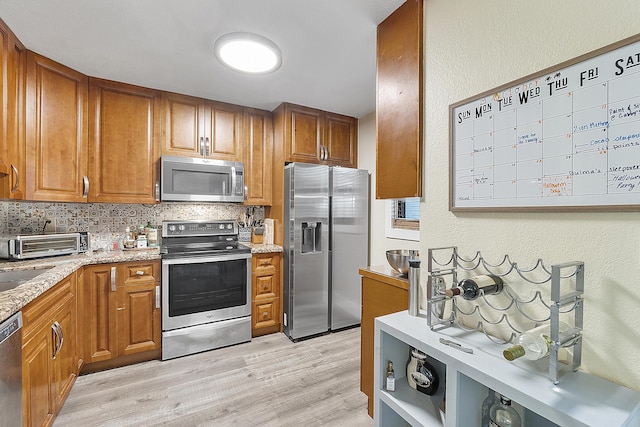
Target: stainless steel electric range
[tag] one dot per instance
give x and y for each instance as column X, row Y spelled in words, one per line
column 206, row 287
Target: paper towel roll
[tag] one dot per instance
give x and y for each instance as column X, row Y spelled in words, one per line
column 268, row 231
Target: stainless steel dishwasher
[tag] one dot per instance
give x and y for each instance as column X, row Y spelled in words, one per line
column 11, row 370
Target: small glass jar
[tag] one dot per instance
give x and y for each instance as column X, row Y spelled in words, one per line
column 128, row 242
column 141, row 241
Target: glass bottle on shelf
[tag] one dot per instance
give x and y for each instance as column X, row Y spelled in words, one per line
column 152, row 234
column 390, row 383
column 533, row 344
column 491, row 398
column 129, row 242
column 472, row 287
column 502, row 414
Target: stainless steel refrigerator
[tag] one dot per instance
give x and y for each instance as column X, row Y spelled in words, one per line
column 326, row 241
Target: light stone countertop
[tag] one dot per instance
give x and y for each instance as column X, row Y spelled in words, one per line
column 14, row 300
column 259, row 248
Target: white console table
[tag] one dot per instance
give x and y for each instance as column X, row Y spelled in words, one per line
column 579, row 399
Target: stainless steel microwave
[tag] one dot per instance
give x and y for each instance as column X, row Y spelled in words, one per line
column 194, row 179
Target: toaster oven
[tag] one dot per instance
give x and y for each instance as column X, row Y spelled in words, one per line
column 44, row 245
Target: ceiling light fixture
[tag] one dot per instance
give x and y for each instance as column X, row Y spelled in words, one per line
column 248, row 52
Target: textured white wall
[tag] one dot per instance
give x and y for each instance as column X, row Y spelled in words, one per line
column 472, row 46
column 367, row 160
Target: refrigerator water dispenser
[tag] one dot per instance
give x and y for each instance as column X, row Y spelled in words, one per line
column 311, row 241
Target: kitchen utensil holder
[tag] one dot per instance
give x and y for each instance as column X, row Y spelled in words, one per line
column 244, row 234
column 570, row 301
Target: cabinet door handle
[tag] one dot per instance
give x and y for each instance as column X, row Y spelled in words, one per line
column 61, row 335
column 55, row 341
column 157, row 296
column 207, row 147
column 113, row 279
column 57, row 331
column 202, row 146
column 157, row 191
column 85, row 186
column 15, row 172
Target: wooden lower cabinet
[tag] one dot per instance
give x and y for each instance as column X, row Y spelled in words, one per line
column 381, row 294
column 49, row 353
column 266, row 313
column 138, row 321
column 121, row 311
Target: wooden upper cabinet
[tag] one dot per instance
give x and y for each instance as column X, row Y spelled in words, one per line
column 183, row 127
column 399, row 112
column 223, row 131
column 195, row 127
column 258, row 155
column 5, row 35
column 341, row 140
column 13, row 70
column 124, row 139
column 56, row 131
column 316, row 136
column 303, row 134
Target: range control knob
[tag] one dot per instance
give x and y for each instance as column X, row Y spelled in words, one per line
column 181, row 227
column 229, row 226
column 221, row 226
column 172, row 228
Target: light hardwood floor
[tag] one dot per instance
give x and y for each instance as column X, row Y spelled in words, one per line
column 267, row 382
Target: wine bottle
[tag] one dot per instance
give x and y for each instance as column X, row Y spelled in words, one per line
column 472, row 287
column 502, row 414
column 533, row 344
column 390, row 384
column 488, row 402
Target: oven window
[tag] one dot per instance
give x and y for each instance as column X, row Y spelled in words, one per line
column 200, row 287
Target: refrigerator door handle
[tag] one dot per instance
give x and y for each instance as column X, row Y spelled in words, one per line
column 289, row 315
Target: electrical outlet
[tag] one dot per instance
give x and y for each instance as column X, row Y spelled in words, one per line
column 49, row 225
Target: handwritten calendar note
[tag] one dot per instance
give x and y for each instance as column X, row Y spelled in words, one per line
column 567, row 137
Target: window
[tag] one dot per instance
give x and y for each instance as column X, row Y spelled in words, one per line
column 403, row 219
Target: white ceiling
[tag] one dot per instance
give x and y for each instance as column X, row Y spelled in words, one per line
column 328, row 46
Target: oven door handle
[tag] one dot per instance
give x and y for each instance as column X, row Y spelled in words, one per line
column 186, row 259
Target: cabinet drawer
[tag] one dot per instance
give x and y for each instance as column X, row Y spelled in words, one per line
column 266, row 314
column 44, row 305
column 134, row 273
column 265, row 264
column 265, row 287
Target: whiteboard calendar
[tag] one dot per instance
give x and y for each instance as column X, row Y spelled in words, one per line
column 567, row 137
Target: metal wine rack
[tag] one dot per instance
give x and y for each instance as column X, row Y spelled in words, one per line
column 443, row 267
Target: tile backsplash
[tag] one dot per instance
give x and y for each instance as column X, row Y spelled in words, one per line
column 106, row 222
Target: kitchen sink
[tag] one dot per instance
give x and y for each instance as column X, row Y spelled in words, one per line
column 14, row 278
